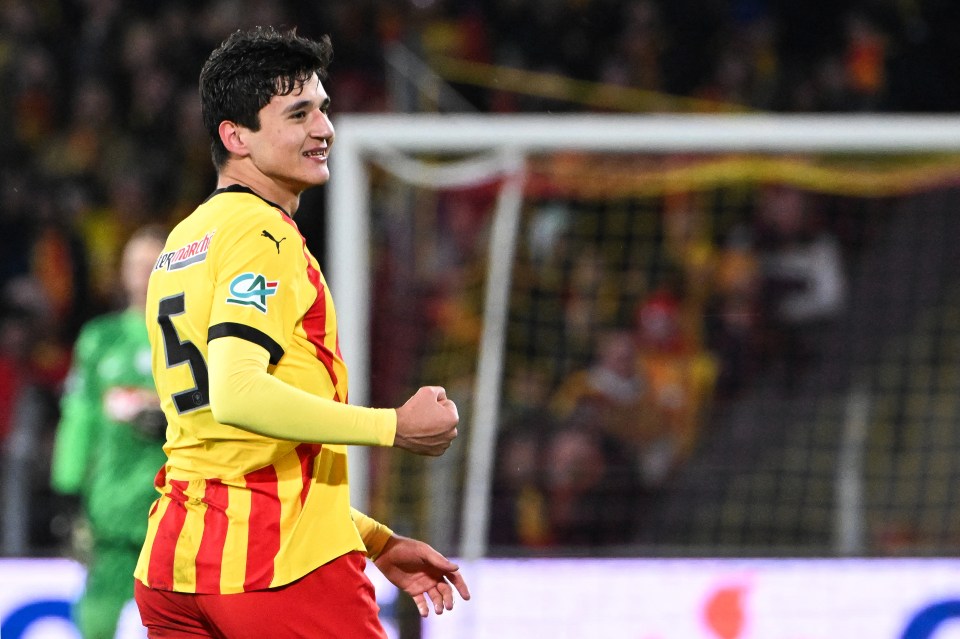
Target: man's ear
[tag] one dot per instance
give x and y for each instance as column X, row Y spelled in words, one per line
column 232, row 136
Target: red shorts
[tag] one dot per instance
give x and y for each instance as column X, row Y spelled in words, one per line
column 335, row 600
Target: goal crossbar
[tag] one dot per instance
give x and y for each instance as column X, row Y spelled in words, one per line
column 651, row 133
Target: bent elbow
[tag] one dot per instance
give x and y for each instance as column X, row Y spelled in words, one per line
column 223, row 406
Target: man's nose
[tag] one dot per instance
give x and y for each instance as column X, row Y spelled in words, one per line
column 323, row 127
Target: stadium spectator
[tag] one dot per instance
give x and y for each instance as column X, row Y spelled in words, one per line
column 865, row 61
column 566, row 481
column 681, row 377
column 519, row 509
column 614, row 391
column 589, row 294
column 733, row 317
column 589, row 488
column 803, row 274
column 518, row 515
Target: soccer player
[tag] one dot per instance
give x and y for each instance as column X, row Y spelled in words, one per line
column 253, row 534
column 108, row 442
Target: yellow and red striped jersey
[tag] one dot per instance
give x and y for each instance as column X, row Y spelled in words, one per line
column 239, row 511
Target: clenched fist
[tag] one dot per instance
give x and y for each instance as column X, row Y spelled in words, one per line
column 427, row 422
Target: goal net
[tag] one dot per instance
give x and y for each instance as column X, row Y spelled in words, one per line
column 666, row 335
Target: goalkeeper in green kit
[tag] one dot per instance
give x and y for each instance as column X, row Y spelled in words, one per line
column 109, row 442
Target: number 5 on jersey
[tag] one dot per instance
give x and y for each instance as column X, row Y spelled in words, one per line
column 179, row 352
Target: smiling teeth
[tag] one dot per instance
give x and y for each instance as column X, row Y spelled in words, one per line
column 321, row 153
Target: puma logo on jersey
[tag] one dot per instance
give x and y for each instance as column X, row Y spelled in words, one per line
column 265, row 233
column 251, row 289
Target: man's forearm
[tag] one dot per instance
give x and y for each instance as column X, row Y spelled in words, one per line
column 245, row 395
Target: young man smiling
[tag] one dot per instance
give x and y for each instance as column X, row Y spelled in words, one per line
column 253, row 534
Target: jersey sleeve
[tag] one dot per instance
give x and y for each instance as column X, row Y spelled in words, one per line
column 374, row 534
column 81, row 413
column 244, row 395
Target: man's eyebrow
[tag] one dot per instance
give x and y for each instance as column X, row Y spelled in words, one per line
column 299, row 105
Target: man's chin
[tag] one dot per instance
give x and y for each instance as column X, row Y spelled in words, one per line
column 311, row 182
column 320, row 179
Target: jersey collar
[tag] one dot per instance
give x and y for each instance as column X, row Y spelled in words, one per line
column 239, row 188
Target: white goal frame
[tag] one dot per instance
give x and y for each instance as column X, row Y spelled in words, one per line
column 362, row 137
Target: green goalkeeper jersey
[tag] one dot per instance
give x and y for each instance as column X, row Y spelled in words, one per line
column 109, row 442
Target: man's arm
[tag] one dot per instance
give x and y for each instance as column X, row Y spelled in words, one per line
column 245, row 395
column 374, row 534
column 81, row 413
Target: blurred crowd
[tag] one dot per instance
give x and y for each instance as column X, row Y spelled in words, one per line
column 596, row 429
column 100, row 134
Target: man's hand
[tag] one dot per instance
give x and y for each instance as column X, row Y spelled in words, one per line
column 427, row 422
column 421, row 572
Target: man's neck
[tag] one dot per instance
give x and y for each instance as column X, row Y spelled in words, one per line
column 236, row 173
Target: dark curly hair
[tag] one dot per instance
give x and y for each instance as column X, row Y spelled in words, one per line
column 248, row 69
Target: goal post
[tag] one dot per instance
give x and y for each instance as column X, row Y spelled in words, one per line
column 502, row 143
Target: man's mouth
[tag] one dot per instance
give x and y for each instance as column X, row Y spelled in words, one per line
column 316, row 153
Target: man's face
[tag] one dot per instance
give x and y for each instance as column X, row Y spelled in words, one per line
column 294, row 139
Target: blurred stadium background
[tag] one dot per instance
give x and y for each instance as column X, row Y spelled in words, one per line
column 744, row 355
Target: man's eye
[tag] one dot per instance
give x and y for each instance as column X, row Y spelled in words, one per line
column 299, row 115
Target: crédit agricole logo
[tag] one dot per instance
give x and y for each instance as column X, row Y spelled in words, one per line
column 251, row 289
